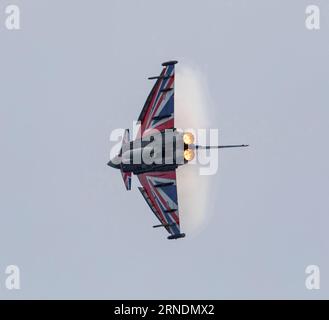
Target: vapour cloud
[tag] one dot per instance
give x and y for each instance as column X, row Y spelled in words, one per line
column 192, row 103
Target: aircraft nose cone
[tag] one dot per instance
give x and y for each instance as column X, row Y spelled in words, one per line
column 114, row 163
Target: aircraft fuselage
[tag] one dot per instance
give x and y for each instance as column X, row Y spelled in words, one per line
column 163, row 151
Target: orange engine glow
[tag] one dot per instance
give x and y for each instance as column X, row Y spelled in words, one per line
column 188, row 138
column 188, row 154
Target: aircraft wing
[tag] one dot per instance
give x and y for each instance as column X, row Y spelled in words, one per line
column 159, row 189
column 158, row 110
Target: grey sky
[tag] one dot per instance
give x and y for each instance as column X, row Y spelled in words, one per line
column 77, row 70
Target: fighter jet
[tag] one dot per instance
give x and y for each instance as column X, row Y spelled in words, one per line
column 168, row 148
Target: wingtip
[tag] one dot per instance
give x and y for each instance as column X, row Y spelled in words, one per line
column 176, row 236
column 169, row 63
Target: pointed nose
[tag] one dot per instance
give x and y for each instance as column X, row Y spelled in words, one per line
column 114, row 163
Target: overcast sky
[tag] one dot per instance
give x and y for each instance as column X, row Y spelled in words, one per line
column 77, row 70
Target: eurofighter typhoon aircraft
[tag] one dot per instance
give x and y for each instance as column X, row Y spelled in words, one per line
column 158, row 150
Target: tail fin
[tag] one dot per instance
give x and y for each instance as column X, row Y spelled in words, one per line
column 126, row 176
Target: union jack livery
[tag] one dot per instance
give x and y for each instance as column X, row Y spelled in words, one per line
column 158, row 111
column 159, row 141
column 160, row 192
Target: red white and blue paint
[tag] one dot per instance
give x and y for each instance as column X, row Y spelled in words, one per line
column 159, row 187
column 160, row 192
column 158, row 178
column 158, row 111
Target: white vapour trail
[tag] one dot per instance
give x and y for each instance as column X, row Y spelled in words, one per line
column 192, row 102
